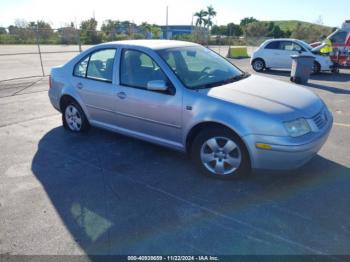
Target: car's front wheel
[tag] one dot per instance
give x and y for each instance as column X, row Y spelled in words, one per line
column 73, row 118
column 220, row 153
column 258, row 65
column 316, row 69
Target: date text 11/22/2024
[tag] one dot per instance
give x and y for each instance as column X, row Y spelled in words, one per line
column 173, row 258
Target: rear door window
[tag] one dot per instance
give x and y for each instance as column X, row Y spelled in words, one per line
column 273, row 45
column 101, row 65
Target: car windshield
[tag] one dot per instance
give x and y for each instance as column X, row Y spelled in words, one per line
column 198, row 67
column 306, row 45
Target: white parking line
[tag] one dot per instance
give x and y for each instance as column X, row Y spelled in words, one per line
column 341, row 124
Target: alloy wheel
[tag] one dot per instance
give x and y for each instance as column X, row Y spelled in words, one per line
column 220, row 155
column 73, row 118
column 258, row 65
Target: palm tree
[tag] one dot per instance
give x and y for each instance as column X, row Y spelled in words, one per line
column 200, row 17
column 211, row 13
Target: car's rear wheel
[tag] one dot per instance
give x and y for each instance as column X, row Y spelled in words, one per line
column 220, row 153
column 258, row 65
column 73, row 118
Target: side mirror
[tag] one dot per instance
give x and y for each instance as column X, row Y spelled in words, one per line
column 157, row 85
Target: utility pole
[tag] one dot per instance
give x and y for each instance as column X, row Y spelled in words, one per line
column 166, row 23
column 39, row 51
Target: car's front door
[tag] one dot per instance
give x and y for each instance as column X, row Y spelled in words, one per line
column 272, row 54
column 287, row 49
column 92, row 79
column 156, row 114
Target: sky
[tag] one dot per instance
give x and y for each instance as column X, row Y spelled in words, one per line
column 60, row 12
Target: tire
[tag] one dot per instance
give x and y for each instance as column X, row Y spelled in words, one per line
column 335, row 70
column 316, row 68
column 226, row 159
column 295, row 79
column 258, row 65
column 73, row 117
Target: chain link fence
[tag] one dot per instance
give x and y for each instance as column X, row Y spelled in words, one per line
column 31, row 52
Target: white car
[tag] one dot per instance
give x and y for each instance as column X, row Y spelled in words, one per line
column 276, row 53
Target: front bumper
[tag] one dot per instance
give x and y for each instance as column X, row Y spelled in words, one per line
column 327, row 66
column 286, row 153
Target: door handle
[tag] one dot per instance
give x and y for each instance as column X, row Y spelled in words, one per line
column 121, row 95
column 80, row 85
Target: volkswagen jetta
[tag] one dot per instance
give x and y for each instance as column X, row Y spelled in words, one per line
column 186, row 97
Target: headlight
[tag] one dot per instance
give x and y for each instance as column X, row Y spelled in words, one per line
column 297, row 127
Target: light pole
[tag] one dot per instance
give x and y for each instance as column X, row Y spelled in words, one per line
column 166, row 23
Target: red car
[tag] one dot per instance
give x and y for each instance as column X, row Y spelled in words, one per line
column 341, row 45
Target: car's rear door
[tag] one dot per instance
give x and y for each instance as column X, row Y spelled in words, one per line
column 93, row 80
column 149, row 113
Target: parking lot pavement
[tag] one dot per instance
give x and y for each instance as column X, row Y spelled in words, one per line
column 103, row 193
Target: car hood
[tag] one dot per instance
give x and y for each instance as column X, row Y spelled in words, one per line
column 269, row 96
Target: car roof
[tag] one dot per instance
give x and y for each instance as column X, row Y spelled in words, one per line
column 283, row 39
column 152, row 44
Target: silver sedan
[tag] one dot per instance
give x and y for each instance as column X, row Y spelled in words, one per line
column 186, row 97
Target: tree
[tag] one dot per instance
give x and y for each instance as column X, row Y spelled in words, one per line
column 145, row 28
column 211, row 13
column 257, row 29
column 21, row 32
column 287, row 33
column 88, row 31
column 109, row 29
column 275, row 31
column 234, row 30
column 155, row 30
column 201, row 17
column 219, row 30
column 230, row 29
column 21, row 23
column 3, row 31
column 109, row 25
column 309, row 33
column 300, row 32
column 247, row 20
column 44, row 29
column 68, row 34
column 149, row 30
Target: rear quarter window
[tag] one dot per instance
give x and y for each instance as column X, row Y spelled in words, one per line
column 80, row 68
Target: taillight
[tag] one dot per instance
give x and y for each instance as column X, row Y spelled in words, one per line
column 50, row 81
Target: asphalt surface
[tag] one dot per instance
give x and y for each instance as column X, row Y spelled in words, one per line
column 103, row 193
column 18, row 61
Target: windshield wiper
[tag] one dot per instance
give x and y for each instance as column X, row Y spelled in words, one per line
column 226, row 81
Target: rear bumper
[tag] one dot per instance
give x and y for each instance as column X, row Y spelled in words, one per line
column 54, row 100
column 286, row 154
